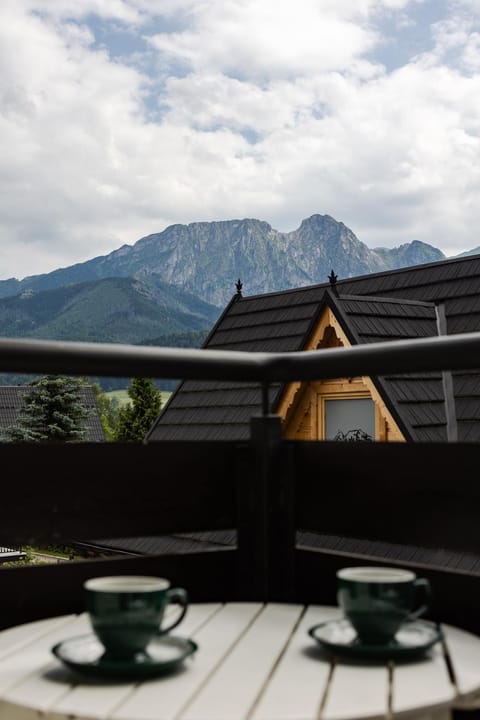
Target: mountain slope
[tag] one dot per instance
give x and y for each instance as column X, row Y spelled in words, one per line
column 414, row 253
column 206, row 258
column 117, row 310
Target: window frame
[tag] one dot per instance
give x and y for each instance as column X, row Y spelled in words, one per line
column 354, row 395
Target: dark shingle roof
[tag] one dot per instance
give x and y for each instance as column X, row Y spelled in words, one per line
column 11, row 401
column 440, row 558
column 416, row 400
column 394, row 305
column 163, row 544
column 373, row 319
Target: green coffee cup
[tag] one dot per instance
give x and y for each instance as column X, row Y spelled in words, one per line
column 127, row 611
column 379, row 600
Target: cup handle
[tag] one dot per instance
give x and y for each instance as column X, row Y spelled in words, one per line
column 180, row 597
column 424, row 594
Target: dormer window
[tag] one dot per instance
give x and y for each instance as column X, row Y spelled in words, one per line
column 347, row 419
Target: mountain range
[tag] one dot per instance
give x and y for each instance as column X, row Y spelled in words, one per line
column 168, row 288
column 206, row 258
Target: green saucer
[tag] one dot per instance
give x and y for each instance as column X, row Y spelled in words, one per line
column 84, row 654
column 413, row 639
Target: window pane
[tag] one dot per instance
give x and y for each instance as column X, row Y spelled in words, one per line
column 350, row 419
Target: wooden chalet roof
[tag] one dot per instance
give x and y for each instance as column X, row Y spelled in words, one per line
column 11, row 401
column 398, row 304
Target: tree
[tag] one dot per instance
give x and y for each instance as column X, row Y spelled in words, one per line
column 137, row 417
column 52, row 412
column 109, row 411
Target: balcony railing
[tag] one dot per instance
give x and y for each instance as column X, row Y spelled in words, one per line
column 275, row 493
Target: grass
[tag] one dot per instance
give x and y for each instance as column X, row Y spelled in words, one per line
column 122, row 396
column 38, row 555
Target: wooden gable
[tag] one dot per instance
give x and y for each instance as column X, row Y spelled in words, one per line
column 301, row 405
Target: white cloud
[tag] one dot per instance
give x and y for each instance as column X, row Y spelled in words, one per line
column 59, row 105
column 398, row 159
column 265, row 40
column 122, row 10
column 457, row 41
column 268, row 110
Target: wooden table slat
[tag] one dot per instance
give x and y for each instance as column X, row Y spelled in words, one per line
column 357, row 690
column 232, row 692
column 295, row 691
column 13, row 639
column 464, row 650
column 24, row 675
column 167, row 698
column 422, row 686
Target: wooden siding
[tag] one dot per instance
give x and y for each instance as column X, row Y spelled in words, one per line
column 300, row 404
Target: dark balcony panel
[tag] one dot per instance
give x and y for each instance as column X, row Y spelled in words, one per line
column 36, row 592
column 87, row 490
column 424, row 494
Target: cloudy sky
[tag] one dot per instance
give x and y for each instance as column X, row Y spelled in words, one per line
column 121, row 117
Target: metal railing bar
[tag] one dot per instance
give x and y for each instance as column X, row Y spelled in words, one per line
column 455, row 352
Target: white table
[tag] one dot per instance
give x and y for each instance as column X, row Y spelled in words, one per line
column 254, row 662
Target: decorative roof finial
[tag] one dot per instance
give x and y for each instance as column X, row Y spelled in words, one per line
column 332, row 278
column 239, row 286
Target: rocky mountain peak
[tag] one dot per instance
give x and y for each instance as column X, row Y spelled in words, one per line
column 206, row 258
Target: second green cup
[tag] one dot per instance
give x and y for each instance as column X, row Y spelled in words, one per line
column 378, row 600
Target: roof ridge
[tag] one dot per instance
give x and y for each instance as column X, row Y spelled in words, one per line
column 410, row 268
column 379, row 298
column 365, row 276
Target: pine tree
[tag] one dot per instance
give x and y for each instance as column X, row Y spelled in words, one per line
column 52, row 412
column 137, row 417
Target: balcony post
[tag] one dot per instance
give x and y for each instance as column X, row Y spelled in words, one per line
column 266, row 515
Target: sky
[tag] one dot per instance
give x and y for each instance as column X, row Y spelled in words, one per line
column 119, row 118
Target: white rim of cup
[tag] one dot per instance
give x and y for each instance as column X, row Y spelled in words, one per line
column 369, row 574
column 127, row 583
